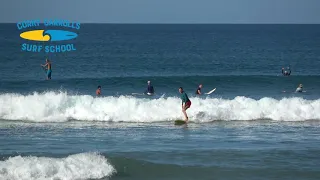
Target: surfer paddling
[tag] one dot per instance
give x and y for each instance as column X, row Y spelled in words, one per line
column 47, row 66
column 186, row 103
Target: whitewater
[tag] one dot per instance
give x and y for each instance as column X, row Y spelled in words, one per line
column 62, row 107
column 77, row 166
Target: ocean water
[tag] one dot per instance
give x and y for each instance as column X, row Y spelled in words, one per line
column 254, row 126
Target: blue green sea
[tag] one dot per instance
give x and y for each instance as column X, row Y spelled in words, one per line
column 253, row 126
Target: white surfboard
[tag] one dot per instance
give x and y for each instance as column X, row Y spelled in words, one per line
column 211, row 91
column 140, row 94
column 293, row 91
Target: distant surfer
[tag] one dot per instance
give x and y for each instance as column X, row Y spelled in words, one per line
column 199, row 90
column 286, row 72
column 300, row 88
column 186, row 103
column 98, row 91
column 47, row 66
column 150, row 89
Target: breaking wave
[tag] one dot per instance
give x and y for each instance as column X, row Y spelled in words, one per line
column 77, row 166
column 61, row 107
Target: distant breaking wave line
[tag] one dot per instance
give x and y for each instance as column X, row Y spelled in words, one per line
column 62, row 107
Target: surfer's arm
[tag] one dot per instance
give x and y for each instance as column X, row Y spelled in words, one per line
column 44, row 65
column 199, row 92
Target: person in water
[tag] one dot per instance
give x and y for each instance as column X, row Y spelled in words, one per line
column 47, row 66
column 199, row 90
column 186, row 103
column 150, row 90
column 286, row 72
column 98, row 91
column 300, row 88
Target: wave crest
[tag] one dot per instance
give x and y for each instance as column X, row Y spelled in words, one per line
column 61, row 107
column 77, row 166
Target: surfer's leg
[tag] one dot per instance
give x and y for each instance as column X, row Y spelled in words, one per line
column 187, row 106
column 185, row 114
column 49, row 74
column 184, row 111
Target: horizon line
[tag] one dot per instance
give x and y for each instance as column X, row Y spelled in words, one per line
column 185, row 23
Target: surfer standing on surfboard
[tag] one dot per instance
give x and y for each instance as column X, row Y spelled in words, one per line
column 199, row 90
column 49, row 70
column 186, row 103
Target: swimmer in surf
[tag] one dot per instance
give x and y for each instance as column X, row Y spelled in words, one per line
column 150, row 90
column 286, row 72
column 300, row 88
column 186, row 103
column 98, row 91
column 199, row 90
column 47, row 66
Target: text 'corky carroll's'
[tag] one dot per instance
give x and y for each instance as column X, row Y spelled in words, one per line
column 46, row 35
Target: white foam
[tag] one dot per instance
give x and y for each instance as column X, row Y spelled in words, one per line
column 78, row 166
column 60, row 107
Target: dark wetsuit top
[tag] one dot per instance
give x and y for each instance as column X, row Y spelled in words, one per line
column 198, row 90
column 286, row 73
column 150, row 89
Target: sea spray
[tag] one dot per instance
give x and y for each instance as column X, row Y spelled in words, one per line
column 77, row 166
column 61, row 107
